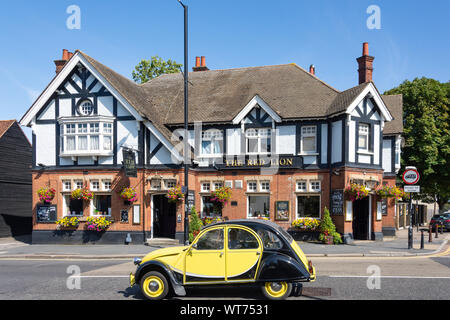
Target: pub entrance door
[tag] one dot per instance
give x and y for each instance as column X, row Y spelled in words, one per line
column 361, row 217
column 164, row 217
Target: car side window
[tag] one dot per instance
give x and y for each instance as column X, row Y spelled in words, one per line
column 211, row 240
column 241, row 239
column 270, row 240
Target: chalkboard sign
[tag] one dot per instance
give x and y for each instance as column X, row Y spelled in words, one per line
column 46, row 213
column 123, row 215
column 337, row 202
column 384, row 205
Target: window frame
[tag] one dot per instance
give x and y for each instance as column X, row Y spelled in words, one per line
column 308, row 195
column 364, row 133
column 305, row 134
column 248, row 205
column 259, row 136
column 212, row 135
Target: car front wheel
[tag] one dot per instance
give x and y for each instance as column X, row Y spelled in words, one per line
column 276, row 290
column 154, row 285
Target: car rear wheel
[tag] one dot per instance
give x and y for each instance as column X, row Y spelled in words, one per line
column 154, row 285
column 276, row 290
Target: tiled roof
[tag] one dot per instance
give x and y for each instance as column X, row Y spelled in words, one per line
column 5, row 125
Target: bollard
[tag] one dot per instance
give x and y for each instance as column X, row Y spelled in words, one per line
column 430, row 234
column 421, row 240
column 442, row 228
column 437, row 231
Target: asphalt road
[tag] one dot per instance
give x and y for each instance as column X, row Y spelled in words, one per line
column 390, row 278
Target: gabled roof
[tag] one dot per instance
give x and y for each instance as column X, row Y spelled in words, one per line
column 395, row 104
column 5, row 125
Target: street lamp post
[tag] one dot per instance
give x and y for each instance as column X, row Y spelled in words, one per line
column 186, row 119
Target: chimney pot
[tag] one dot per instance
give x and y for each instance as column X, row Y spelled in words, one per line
column 197, row 61
column 365, row 49
column 203, row 61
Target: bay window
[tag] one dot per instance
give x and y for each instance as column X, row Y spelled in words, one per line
column 87, row 137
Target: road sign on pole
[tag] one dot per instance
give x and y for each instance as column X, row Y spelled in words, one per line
column 411, row 176
column 413, row 188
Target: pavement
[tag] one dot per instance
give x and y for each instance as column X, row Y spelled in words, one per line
column 21, row 248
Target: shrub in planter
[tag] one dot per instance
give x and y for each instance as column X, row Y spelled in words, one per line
column 46, row 194
column 98, row 224
column 67, row 223
column 328, row 229
column 195, row 225
column 129, row 194
column 82, row 194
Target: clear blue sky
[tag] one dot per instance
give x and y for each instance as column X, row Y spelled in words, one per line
column 413, row 40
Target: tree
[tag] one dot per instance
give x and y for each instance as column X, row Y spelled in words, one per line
column 195, row 225
column 327, row 228
column 149, row 69
column 427, row 135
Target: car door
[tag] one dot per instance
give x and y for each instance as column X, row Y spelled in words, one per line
column 244, row 252
column 205, row 259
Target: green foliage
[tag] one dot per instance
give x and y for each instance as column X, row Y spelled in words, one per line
column 195, row 225
column 427, row 135
column 327, row 228
column 149, row 69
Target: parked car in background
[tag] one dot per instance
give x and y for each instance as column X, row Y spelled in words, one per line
column 228, row 253
column 443, row 219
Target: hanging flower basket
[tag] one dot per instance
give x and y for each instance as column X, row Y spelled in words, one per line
column 98, row 224
column 390, row 192
column 175, row 195
column 129, row 195
column 356, row 191
column 46, row 195
column 82, row 194
column 221, row 195
column 67, row 223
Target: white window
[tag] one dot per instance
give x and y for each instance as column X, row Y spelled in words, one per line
column 67, row 185
column 308, row 140
column 206, row 187
column 252, row 186
column 86, row 139
column 301, row 186
column 79, row 184
column 212, row 143
column 258, row 140
column 218, row 185
column 264, row 186
column 314, row 186
column 95, row 185
column 155, row 184
column 107, row 185
column 363, row 137
column 170, row 184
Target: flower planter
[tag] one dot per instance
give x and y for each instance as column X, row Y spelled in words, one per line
column 328, row 240
column 304, row 235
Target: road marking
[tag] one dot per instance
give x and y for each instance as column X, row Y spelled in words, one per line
column 392, row 277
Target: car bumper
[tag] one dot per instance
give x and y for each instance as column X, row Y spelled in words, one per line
column 312, row 278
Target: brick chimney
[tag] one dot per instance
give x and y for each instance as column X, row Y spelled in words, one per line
column 61, row 63
column 365, row 65
column 200, row 64
column 312, row 70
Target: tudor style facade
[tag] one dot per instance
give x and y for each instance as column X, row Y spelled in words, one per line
column 284, row 141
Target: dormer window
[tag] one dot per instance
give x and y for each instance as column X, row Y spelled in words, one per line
column 86, row 107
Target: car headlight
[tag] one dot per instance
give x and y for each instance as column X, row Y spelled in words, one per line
column 137, row 261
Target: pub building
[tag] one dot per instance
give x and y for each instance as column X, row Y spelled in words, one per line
column 285, row 142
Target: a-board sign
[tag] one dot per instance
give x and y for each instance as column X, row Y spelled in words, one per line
column 337, row 202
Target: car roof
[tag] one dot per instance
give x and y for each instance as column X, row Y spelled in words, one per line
column 247, row 222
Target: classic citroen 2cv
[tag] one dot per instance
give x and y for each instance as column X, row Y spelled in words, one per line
column 241, row 252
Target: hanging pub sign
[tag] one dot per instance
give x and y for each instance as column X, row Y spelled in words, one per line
column 129, row 163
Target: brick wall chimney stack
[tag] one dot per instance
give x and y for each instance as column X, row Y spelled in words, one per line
column 365, row 65
column 61, row 63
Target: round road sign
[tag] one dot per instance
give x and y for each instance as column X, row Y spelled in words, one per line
column 411, row 176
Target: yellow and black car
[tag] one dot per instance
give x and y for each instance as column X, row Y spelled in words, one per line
column 233, row 252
